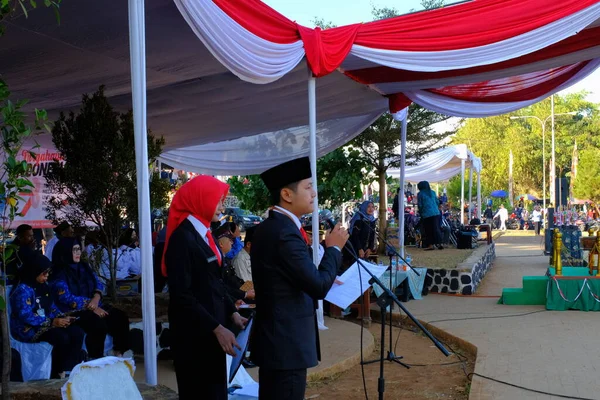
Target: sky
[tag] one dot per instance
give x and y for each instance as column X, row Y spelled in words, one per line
column 344, row 12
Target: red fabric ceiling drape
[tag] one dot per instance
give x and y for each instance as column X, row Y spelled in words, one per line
column 466, row 25
column 530, row 86
column 584, row 40
column 335, row 43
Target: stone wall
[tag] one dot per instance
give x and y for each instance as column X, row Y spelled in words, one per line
column 466, row 277
column 163, row 339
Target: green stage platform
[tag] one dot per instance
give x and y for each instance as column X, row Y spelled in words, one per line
column 575, row 289
column 533, row 292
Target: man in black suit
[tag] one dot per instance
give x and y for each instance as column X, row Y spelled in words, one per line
column 199, row 308
column 285, row 340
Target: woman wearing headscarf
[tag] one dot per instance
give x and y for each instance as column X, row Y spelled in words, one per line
column 362, row 230
column 429, row 212
column 78, row 291
column 35, row 318
column 199, row 307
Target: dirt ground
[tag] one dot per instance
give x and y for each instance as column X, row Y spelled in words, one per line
column 427, row 378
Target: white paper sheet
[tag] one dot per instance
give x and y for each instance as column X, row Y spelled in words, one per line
column 343, row 295
column 247, row 391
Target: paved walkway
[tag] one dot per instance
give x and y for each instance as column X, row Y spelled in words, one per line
column 555, row 352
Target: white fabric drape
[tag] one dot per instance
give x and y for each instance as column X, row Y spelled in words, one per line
column 255, row 154
column 246, row 55
column 432, row 61
column 459, row 108
column 440, row 165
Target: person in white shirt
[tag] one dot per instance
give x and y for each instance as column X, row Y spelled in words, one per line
column 536, row 216
column 241, row 262
column 62, row 230
column 503, row 215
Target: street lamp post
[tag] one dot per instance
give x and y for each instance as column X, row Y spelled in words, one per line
column 543, row 123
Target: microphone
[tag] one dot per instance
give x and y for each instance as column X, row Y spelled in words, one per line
column 328, row 218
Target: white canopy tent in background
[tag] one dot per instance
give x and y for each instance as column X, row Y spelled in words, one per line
column 478, row 59
column 439, row 166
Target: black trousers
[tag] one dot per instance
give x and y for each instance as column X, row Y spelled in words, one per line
column 116, row 324
column 275, row 384
column 431, row 227
column 66, row 347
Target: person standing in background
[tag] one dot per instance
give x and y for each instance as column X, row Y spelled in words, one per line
column 536, row 217
column 429, row 212
column 503, row 215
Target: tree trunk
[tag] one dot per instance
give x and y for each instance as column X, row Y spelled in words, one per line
column 6, row 353
column 382, row 205
column 112, row 258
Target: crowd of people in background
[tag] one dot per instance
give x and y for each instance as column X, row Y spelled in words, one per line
column 59, row 288
column 58, row 298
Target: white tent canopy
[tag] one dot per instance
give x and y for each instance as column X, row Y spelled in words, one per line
column 439, row 165
column 192, row 99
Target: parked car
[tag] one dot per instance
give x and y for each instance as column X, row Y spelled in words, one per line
column 242, row 217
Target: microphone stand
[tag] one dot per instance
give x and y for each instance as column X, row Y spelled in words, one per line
column 386, row 299
column 387, row 245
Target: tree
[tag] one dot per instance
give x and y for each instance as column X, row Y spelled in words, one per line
column 97, row 181
column 339, row 176
column 587, row 182
column 13, row 175
column 250, row 191
column 492, row 138
column 379, row 144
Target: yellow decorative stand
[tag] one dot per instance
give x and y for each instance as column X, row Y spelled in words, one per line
column 557, row 252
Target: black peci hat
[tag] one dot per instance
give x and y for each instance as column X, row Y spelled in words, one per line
column 222, row 231
column 284, row 174
column 63, row 226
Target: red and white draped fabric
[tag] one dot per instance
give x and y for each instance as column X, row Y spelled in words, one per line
column 227, row 79
column 475, row 59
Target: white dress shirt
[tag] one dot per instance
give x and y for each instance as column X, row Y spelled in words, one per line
column 282, row 210
column 200, row 228
column 203, row 231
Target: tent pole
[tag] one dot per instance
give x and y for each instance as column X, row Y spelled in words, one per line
column 312, row 125
column 401, row 194
column 462, row 192
column 470, row 201
column 137, row 39
column 479, row 195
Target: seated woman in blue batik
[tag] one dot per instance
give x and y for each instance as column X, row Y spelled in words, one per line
column 35, row 318
column 78, row 291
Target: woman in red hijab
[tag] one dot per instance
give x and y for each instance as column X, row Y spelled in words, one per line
column 199, row 308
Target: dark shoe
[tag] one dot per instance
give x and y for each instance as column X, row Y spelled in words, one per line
column 247, row 363
column 440, row 247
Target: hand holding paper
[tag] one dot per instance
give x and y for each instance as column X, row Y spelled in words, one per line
column 355, row 283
